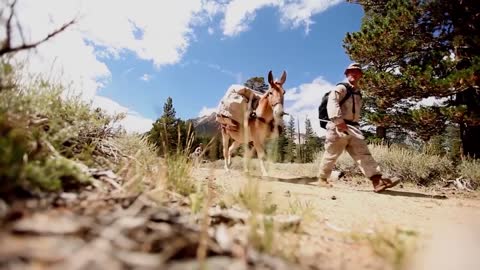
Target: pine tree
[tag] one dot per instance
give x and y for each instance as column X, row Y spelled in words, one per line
column 215, row 151
column 420, row 49
column 300, row 147
column 164, row 132
column 312, row 142
column 257, row 83
column 279, row 149
column 290, row 136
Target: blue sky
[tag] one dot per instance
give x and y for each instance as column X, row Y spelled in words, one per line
column 213, row 62
column 192, row 50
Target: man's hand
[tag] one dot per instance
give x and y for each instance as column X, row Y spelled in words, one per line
column 342, row 127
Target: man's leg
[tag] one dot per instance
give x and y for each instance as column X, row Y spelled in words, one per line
column 334, row 146
column 359, row 151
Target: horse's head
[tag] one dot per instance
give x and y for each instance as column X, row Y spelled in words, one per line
column 275, row 94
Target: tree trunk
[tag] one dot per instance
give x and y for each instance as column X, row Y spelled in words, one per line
column 381, row 133
column 470, row 130
column 470, row 136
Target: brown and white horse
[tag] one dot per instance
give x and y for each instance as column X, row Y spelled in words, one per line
column 262, row 125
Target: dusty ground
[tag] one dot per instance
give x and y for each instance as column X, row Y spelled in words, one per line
column 344, row 227
column 350, row 227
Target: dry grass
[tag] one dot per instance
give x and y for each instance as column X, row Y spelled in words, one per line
column 410, row 165
column 141, row 167
column 413, row 166
column 251, row 198
column 470, row 169
column 263, row 234
column 304, row 209
column 395, row 246
column 179, row 178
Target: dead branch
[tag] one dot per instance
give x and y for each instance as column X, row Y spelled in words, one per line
column 7, row 43
column 8, row 39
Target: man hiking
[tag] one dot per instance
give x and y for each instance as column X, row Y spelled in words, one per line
column 343, row 107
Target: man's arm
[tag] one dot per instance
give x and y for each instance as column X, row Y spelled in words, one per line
column 333, row 106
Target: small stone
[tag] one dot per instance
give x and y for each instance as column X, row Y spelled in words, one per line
column 48, row 224
column 224, row 239
column 334, row 198
column 40, row 248
column 68, row 196
column 139, row 259
column 213, row 263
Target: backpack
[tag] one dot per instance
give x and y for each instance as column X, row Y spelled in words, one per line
column 322, row 109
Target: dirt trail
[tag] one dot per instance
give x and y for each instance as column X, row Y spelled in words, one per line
column 346, row 227
column 351, row 208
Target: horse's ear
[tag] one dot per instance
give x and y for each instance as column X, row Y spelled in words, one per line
column 270, row 78
column 283, row 78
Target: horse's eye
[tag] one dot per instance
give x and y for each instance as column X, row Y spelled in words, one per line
column 270, row 93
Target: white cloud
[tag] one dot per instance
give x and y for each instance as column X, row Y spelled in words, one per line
column 206, row 111
column 239, row 13
column 303, row 101
column 146, row 77
column 211, row 31
column 213, row 8
column 299, row 13
column 156, row 31
column 81, row 69
column 133, row 122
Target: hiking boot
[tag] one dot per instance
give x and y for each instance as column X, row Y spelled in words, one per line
column 380, row 183
column 322, row 182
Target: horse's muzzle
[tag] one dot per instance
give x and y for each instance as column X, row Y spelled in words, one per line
column 278, row 112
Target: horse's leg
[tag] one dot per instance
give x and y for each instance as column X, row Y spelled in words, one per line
column 248, row 153
column 246, row 133
column 261, row 155
column 232, row 148
column 226, row 153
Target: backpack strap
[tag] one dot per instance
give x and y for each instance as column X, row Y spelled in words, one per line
column 349, row 94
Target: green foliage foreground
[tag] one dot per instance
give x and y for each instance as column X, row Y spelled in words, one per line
column 45, row 138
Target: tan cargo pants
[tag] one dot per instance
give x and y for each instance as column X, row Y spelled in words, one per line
column 357, row 148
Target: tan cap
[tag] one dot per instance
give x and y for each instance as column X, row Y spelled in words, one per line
column 353, row 66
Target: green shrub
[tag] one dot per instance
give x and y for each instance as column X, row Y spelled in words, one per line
column 29, row 163
column 43, row 134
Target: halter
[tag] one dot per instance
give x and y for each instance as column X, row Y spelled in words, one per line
column 271, row 123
